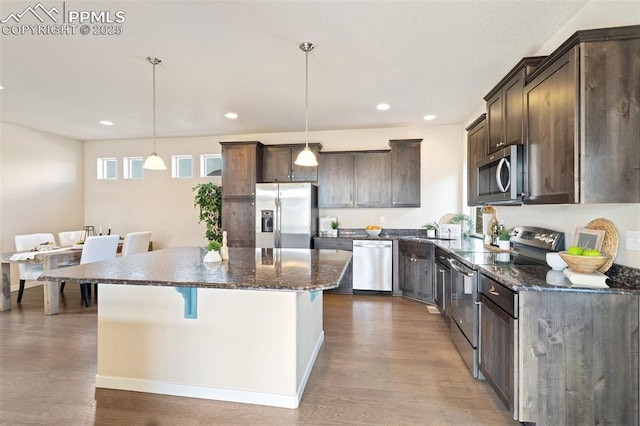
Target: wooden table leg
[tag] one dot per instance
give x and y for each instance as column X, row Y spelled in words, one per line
column 6, row 287
column 51, row 288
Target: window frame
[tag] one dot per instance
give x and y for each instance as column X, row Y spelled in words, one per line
column 203, row 164
column 127, row 168
column 175, row 165
column 102, row 168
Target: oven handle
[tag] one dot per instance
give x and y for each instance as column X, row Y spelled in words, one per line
column 454, row 265
column 501, row 164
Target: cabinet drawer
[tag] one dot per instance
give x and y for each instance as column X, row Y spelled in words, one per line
column 333, row 243
column 419, row 250
column 499, row 294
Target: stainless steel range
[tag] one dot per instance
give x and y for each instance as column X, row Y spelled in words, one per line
column 530, row 247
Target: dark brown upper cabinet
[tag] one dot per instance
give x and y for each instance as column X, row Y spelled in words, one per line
column 375, row 179
column 405, row 172
column 476, row 150
column 505, row 107
column 583, row 121
column 278, row 164
column 241, row 168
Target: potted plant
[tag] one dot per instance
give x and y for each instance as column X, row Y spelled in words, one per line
column 213, row 255
column 431, row 229
column 504, row 239
column 208, row 199
column 334, row 228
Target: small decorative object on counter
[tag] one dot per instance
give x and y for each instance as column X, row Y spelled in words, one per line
column 465, row 222
column 334, row 227
column 504, row 241
column 213, row 255
column 224, row 250
column 431, row 229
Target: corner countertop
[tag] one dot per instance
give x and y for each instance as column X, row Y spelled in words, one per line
column 246, row 268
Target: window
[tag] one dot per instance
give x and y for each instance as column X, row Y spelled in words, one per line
column 132, row 167
column 181, row 166
column 210, row 165
column 107, row 168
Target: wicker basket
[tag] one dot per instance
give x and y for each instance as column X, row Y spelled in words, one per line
column 584, row 264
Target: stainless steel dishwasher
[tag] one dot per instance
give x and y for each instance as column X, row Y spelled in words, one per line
column 372, row 265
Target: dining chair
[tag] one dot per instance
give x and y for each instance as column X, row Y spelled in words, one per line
column 68, row 238
column 96, row 249
column 136, row 242
column 30, row 271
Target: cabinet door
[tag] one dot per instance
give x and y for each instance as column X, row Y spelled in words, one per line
column 238, row 219
column 497, row 336
column 425, row 280
column 335, row 180
column 302, row 173
column 276, row 164
column 551, row 125
column 476, row 150
column 408, row 275
column 405, row 173
column 372, row 180
column 495, row 120
column 512, row 96
column 239, row 169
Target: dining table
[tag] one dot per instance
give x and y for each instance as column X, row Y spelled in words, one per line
column 50, row 259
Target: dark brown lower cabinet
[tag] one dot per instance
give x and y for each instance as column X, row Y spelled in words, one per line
column 238, row 219
column 563, row 357
column 497, row 355
column 415, row 263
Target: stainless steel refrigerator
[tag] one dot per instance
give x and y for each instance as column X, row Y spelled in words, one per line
column 286, row 215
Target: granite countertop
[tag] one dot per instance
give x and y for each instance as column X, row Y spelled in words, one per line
column 246, row 268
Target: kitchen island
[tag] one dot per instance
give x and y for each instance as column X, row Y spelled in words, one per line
column 247, row 329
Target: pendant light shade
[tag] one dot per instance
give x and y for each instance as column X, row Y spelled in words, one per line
column 306, row 158
column 154, row 161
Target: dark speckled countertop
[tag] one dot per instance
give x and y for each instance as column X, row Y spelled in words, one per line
column 246, row 268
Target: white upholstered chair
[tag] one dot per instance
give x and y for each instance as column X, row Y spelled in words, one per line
column 136, row 242
column 30, row 271
column 96, row 249
column 69, row 238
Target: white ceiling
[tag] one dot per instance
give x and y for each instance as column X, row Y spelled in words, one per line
column 438, row 57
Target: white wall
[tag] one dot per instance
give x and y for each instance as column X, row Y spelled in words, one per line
column 164, row 205
column 41, row 184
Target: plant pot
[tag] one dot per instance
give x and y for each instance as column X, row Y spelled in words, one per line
column 504, row 245
column 334, row 233
column 431, row 233
column 212, row 256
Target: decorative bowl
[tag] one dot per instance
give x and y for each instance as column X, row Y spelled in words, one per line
column 556, row 262
column 373, row 232
column 584, row 264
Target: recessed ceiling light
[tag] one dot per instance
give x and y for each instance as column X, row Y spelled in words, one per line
column 106, row 122
column 383, row 107
column 1, row 87
column 429, row 117
column 231, row 115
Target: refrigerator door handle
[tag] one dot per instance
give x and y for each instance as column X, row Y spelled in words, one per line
column 278, row 221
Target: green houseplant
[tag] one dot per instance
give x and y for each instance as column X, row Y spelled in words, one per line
column 334, row 227
column 208, row 199
column 431, row 229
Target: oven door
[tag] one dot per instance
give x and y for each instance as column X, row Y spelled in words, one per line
column 500, row 176
column 463, row 311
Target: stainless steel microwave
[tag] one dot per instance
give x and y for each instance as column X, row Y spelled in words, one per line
column 501, row 176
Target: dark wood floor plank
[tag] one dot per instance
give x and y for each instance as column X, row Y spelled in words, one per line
column 385, row 361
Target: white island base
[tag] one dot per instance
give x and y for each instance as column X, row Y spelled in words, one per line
column 248, row 346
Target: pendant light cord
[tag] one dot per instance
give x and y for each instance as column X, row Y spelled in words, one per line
column 154, row 107
column 306, row 98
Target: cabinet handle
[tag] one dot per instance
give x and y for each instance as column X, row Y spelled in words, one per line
column 493, row 291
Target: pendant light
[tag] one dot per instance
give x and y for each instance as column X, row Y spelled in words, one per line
column 306, row 157
column 154, row 161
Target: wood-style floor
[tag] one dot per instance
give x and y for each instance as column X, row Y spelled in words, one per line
column 385, row 361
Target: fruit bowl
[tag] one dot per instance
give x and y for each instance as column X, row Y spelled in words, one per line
column 373, row 232
column 583, row 264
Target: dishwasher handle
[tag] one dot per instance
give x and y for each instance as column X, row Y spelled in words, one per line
column 372, row 244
